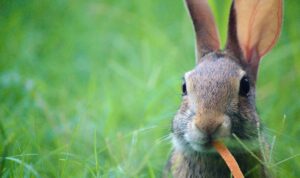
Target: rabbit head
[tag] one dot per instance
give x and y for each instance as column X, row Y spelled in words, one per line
column 219, row 93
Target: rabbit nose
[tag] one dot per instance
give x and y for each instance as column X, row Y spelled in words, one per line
column 210, row 124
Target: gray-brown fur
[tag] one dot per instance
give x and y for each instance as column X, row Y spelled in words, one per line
column 213, row 106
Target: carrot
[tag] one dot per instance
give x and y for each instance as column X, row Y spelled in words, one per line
column 229, row 159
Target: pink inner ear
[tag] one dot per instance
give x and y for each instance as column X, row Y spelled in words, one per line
column 278, row 30
column 258, row 26
column 247, row 47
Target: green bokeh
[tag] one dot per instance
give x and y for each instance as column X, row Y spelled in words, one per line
column 89, row 88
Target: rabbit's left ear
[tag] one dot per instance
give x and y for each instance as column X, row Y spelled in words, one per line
column 255, row 25
column 207, row 36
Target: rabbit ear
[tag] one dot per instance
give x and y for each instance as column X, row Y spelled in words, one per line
column 205, row 27
column 258, row 25
column 232, row 44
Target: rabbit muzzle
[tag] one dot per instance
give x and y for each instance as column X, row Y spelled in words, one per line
column 205, row 128
column 212, row 125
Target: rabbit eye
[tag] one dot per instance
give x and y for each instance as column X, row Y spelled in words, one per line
column 244, row 86
column 184, row 92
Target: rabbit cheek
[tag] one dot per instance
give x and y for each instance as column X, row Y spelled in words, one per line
column 195, row 138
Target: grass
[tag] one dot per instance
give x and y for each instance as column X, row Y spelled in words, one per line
column 89, row 88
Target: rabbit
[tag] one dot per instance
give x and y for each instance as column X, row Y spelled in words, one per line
column 218, row 95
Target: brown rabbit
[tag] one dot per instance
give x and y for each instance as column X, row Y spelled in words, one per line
column 218, row 99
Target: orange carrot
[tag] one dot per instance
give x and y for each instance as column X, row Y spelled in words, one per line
column 229, row 159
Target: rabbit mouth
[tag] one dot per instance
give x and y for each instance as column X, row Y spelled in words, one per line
column 200, row 145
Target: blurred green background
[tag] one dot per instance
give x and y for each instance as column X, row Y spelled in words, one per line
column 89, row 88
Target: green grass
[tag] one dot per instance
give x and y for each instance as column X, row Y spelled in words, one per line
column 89, row 88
